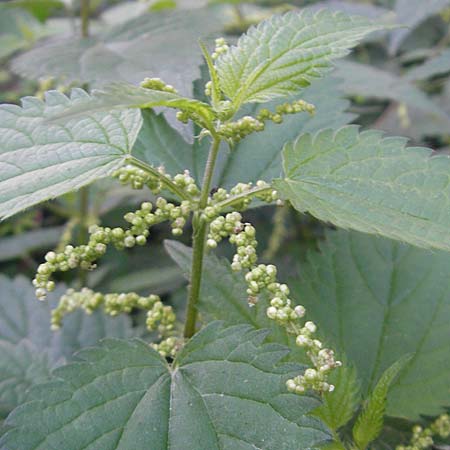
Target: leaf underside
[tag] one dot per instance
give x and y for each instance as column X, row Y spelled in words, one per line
column 285, row 53
column 40, row 160
column 222, row 393
column 370, row 183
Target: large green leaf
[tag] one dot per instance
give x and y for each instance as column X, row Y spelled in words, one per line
column 377, row 300
column 370, row 82
column 29, row 349
column 39, row 160
column 370, row 183
column 152, row 45
column 244, row 164
column 285, row 53
column 224, row 391
column 412, row 13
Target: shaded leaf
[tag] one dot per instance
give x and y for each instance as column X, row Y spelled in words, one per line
column 39, row 160
column 412, row 13
column 370, row 183
column 369, row 82
column 377, row 300
column 283, row 54
column 437, row 65
column 222, row 391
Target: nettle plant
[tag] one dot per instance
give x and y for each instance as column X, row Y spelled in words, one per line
column 223, row 387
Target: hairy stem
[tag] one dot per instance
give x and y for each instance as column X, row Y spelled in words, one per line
column 84, row 13
column 231, row 201
column 200, row 228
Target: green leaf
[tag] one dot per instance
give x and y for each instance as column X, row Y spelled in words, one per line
column 244, row 164
column 412, row 13
column 39, row 160
column 370, row 183
column 124, row 95
column 158, row 144
column 339, row 406
column 24, row 317
column 28, row 349
column 283, row 54
column 376, row 300
column 370, row 82
column 436, row 65
column 41, row 9
column 369, row 423
column 162, row 44
column 223, row 392
column 21, row 366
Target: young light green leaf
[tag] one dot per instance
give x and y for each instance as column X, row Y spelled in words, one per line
column 222, row 391
column 283, row 54
column 39, row 160
column 339, row 406
column 123, row 95
column 244, row 164
column 370, row 421
column 376, row 300
column 370, row 183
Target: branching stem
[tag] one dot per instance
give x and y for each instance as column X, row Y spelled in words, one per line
column 200, row 227
column 233, row 200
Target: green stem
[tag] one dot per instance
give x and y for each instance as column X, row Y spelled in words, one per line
column 170, row 185
column 84, row 13
column 238, row 198
column 83, row 234
column 200, row 228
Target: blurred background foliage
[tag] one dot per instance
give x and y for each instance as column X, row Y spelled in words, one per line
column 396, row 81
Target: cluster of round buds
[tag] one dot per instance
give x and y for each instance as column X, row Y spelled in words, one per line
column 158, row 85
column 221, row 48
column 263, row 277
column 168, row 347
column 159, row 317
column 135, row 177
column 285, row 108
column 84, row 256
column 235, row 131
column 422, row 438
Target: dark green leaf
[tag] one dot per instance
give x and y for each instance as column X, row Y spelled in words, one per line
column 377, row 300
column 224, row 391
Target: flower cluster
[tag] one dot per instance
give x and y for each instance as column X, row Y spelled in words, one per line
column 286, row 108
column 158, row 85
column 168, row 347
column 263, row 278
column 422, row 438
column 138, row 178
column 221, row 48
column 84, row 256
column 235, row 131
column 159, row 317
